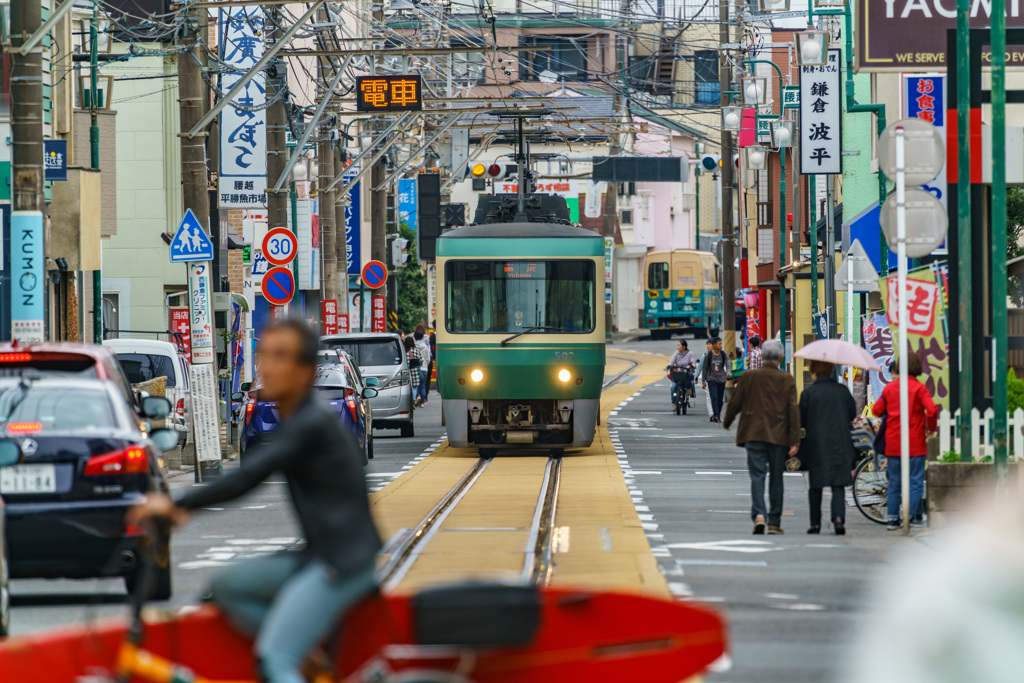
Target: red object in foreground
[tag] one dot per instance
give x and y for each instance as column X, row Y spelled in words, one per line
column 593, row 637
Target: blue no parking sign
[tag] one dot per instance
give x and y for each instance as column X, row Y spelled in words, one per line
column 375, row 274
column 278, row 286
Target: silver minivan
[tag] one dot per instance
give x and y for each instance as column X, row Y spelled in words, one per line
column 380, row 355
column 146, row 359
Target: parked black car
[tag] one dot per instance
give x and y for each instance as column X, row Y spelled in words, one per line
column 10, row 454
column 88, row 455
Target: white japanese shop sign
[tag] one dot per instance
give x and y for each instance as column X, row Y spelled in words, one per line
column 821, row 140
column 243, row 131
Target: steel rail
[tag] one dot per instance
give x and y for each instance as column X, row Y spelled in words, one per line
column 402, row 559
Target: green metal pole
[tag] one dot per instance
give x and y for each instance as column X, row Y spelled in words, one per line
column 963, row 232
column 696, row 229
column 812, row 190
column 783, row 324
column 294, row 197
column 94, row 152
column 999, row 399
column 879, row 111
column 362, row 304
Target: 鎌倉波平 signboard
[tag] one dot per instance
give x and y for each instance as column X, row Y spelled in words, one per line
column 821, row 144
column 911, row 35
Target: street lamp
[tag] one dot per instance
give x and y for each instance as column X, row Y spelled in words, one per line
column 782, row 133
column 812, row 47
column 756, row 158
column 732, row 117
column 755, row 90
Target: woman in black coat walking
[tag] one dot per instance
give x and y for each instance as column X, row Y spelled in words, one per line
column 826, row 413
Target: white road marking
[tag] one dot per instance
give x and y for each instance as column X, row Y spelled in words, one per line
column 781, row 596
column 722, row 563
column 712, row 472
column 728, row 546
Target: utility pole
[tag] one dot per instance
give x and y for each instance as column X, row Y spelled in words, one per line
column 27, row 312
column 277, row 123
column 94, row 158
column 728, row 229
column 325, row 176
column 378, row 198
column 191, row 100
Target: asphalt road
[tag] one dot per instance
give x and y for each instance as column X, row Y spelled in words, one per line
column 792, row 602
column 261, row 522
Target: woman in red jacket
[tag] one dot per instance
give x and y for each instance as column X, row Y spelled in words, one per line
column 922, row 413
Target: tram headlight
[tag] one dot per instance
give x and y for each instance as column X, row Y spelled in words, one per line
column 477, row 375
column 564, row 375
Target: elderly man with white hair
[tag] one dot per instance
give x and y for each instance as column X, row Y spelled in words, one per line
column 769, row 429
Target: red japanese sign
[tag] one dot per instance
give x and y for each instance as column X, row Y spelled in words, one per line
column 180, row 325
column 329, row 316
column 343, row 323
column 277, row 312
column 378, row 314
column 922, row 297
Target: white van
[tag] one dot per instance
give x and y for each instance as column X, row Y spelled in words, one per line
column 146, row 359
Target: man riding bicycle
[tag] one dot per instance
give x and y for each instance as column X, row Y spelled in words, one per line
column 682, row 359
column 290, row 601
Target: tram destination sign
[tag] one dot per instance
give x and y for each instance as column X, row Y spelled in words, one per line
column 910, row 35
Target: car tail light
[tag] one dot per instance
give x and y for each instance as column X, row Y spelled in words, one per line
column 132, row 460
column 350, row 401
column 249, row 407
column 24, row 427
column 180, row 407
column 15, row 357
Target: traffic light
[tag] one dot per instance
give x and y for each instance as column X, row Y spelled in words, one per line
column 399, row 252
column 478, row 170
column 710, row 162
column 501, row 171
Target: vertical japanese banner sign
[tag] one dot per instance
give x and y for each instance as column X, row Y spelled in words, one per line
column 821, row 142
column 378, row 313
column 204, row 410
column 27, row 276
column 924, row 97
column 180, row 319
column 878, row 342
column 243, row 130
column 407, row 203
column 329, row 316
column 926, row 328
column 343, row 324
column 352, row 225
column 200, row 311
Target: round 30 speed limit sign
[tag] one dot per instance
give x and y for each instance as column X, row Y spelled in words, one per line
column 279, row 246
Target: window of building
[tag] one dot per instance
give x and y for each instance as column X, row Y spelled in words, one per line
column 627, row 217
column 468, row 68
column 705, row 77
column 567, row 58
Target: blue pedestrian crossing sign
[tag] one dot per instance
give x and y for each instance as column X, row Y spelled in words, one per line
column 191, row 242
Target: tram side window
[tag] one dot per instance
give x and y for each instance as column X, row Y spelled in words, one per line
column 657, row 276
column 510, row 296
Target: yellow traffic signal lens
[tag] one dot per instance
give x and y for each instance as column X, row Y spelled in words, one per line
column 479, row 170
column 476, row 375
column 564, row 375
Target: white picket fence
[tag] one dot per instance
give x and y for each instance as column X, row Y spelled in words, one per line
column 981, row 433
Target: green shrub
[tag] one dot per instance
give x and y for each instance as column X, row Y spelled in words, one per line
column 1014, row 391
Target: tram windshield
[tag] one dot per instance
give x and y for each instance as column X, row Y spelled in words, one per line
column 510, row 296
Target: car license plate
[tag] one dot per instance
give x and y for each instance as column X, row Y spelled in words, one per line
column 28, row 479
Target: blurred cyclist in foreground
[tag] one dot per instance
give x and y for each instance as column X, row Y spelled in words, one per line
column 291, row 600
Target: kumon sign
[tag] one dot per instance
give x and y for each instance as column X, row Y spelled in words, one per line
column 910, row 35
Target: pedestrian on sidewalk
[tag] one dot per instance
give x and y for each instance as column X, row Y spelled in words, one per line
column 432, row 343
column 415, row 363
column 754, row 359
column 715, row 373
column 699, row 372
column 682, row 359
column 827, row 411
column 922, row 413
column 769, row 429
column 423, row 346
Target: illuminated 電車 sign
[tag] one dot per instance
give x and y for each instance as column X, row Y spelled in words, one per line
column 389, row 93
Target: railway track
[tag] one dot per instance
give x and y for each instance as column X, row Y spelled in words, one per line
column 538, row 564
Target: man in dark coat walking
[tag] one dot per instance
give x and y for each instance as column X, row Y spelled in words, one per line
column 769, row 429
column 826, row 412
